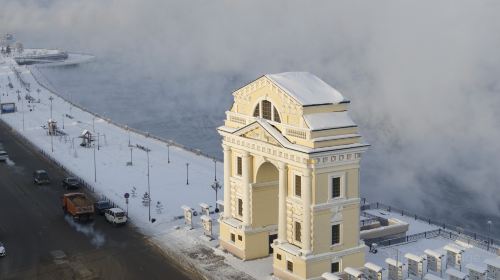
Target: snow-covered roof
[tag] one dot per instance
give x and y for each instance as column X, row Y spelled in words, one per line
column 374, row 267
column 393, row 262
column 328, row 120
column 433, row 253
column 330, row 276
column 413, row 257
column 493, row 262
column 453, row 248
column 475, row 267
column 306, row 88
column 456, row 273
column 432, row 277
column 354, row 272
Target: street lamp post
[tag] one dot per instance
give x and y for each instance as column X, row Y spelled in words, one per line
column 22, row 101
column 51, row 98
column 168, row 152
column 216, row 187
column 187, row 173
column 147, row 150
column 215, row 170
column 489, row 222
column 149, row 187
column 95, row 166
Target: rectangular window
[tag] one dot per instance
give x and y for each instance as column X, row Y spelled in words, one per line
column 298, row 186
column 289, row 266
column 335, row 267
column 239, row 166
column 298, row 231
column 240, row 207
column 233, row 237
column 335, row 187
column 278, row 256
column 335, row 234
column 240, row 238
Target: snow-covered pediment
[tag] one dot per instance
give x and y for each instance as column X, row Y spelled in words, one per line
column 262, row 131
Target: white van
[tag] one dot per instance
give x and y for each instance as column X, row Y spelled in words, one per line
column 115, row 216
column 3, row 155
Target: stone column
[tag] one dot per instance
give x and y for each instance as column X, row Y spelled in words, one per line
column 227, row 183
column 246, row 188
column 307, row 211
column 283, row 177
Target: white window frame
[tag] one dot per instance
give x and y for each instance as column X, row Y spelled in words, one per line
column 343, row 185
column 336, row 261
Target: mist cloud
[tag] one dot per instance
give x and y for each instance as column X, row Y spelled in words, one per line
column 422, row 75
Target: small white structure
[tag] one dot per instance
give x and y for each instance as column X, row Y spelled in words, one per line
column 395, row 269
column 87, row 138
column 205, row 209
column 454, row 256
column 432, row 277
column 454, row 274
column 476, row 272
column 330, row 276
column 434, row 261
column 188, row 216
column 373, row 271
column 207, row 226
column 52, row 127
column 415, row 265
column 353, row 274
column 493, row 268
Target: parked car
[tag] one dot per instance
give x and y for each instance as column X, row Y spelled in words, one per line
column 41, row 177
column 3, row 155
column 115, row 216
column 101, row 206
column 2, row 250
column 70, row 183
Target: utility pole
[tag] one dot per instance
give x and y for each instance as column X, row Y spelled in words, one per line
column 187, row 173
column 63, row 120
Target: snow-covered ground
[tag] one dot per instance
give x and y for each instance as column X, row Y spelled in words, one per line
column 112, row 178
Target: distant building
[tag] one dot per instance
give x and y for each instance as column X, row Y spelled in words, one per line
column 291, row 176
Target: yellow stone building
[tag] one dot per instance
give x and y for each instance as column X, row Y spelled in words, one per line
column 291, row 176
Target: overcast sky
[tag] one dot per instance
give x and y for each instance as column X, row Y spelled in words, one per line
column 423, row 76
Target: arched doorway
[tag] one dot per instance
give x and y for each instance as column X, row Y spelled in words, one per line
column 265, row 200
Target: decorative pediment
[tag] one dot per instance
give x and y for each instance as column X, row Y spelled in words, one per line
column 258, row 131
column 290, row 105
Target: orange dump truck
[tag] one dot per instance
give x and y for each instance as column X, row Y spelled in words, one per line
column 78, row 206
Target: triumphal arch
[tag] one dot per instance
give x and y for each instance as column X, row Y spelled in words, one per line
column 291, row 176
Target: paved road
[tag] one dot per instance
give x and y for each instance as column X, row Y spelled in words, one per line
column 42, row 244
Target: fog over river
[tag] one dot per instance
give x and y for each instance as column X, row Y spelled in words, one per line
column 422, row 77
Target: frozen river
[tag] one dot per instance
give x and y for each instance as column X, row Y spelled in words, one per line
column 189, row 110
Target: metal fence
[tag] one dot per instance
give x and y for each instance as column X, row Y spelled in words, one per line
column 445, row 230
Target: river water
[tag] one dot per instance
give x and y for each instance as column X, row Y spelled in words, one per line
column 191, row 119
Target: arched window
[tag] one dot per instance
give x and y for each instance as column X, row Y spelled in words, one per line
column 276, row 115
column 256, row 112
column 266, row 110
